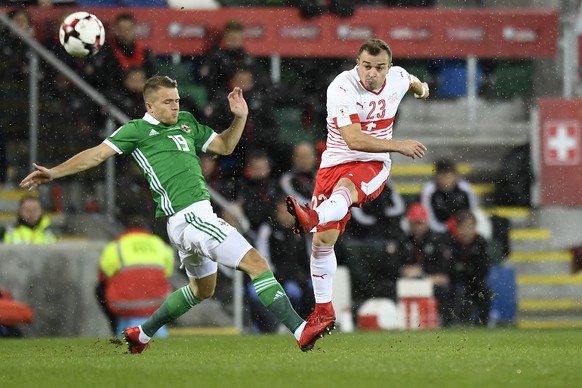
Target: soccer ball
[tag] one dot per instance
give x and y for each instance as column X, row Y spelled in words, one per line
column 82, row 34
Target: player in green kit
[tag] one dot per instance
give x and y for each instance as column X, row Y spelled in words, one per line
column 164, row 144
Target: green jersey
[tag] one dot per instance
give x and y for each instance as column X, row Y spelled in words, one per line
column 166, row 155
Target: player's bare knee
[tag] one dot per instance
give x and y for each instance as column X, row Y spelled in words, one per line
column 348, row 184
column 202, row 288
column 253, row 263
column 326, row 238
column 205, row 294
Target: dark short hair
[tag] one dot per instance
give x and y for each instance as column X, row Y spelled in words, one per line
column 124, row 16
column 465, row 215
column 157, row 82
column 133, row 220
column 233, row 26
column 445, row 165
column 375, row 47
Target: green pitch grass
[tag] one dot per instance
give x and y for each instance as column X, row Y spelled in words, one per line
column 448, row 358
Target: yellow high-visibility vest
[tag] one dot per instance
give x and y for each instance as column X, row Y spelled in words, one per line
column 23, row 234
column 137, row 248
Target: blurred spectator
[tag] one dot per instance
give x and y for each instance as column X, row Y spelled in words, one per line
column 214, row 177
column 14, row 74
column 300, row 181
column 289, row 255
column 133, row 275
column 122, row 52
column 514, row 179
column 311, row 9
column 74, row 129
column 135, row 198
column 470, row 264
column 129, row 97
column 425, row 257
column 225, row 58
column 32, row 226
column 258, row 191
column 446, row 195
column 261, row 129
column 380, row 217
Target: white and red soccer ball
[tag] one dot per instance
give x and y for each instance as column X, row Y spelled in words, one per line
column 82, row 34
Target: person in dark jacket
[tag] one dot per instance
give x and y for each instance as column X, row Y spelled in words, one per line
column 425, row 257
column 223, row 59
column 122, row 52
column 288, row 254
column 300, row 180
column 446, row 195
column 257, row 192
column 470, row 264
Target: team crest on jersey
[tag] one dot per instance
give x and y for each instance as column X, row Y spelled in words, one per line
column 186, row 128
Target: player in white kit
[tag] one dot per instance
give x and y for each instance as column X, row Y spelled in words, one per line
column 361, row 105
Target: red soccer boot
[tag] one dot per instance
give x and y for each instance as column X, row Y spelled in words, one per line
column 305, row 218
column 131, row 338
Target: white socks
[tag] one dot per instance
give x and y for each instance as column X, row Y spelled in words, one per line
column 336, row 207
column 299, row 330
column 143, row 337
column 323, row 267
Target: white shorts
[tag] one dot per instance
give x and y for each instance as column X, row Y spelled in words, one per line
column 203, row 240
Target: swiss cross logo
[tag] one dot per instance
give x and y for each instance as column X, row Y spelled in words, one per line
column 562, row 143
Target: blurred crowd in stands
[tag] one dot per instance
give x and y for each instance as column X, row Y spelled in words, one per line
column 434, row 234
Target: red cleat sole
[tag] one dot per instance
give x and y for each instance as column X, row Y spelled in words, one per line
column 326, row 331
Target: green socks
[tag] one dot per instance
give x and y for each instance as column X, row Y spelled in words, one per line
column 267, row 287
column 275, row 299
column 178, row 303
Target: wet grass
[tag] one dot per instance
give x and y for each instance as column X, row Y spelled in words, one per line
column 451, row 358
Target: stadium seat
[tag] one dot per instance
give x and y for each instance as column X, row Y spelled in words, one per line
column 195, row 92
column 418, row 69
column 513, row 79
column 452, row 78
column 503, row 286
column 289, row 120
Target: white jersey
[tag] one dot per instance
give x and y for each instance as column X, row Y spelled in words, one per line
column 349, row 102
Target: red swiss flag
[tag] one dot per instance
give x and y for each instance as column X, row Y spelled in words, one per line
column 562, row 142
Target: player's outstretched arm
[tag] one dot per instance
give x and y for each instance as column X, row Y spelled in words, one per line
column 420, row 89
column 225, row 142
column 82, row 161
column 360, row 141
